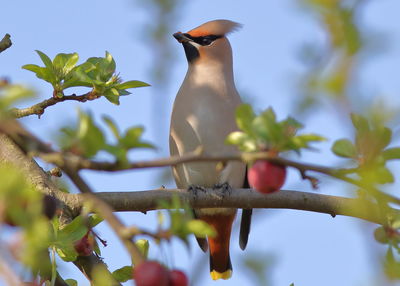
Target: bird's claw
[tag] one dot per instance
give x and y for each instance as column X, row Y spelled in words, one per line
column 194, row 189
column 224, row 188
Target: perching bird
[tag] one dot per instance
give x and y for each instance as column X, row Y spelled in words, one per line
column 203, row 115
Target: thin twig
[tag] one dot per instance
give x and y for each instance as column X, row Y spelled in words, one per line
column 39, row 108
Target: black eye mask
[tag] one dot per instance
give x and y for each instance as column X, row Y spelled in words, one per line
column 204, row 40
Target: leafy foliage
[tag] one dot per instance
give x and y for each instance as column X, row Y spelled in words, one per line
column 265, row 132
column 97, row 73
column 182, row 223
column 369, row 150
column 63, row 239
column 88, row 139
column 21, row 205
column 11, row 94
column 123, row 274
column 331, row 65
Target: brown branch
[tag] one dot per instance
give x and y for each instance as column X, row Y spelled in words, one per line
column 70, row 204
column 143, row 201
column 5, row 43
column 11, row 154
column 39, row 108
column 247, row 198
column 79, row 163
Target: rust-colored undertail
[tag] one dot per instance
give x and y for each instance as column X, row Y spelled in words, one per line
column 220, row 262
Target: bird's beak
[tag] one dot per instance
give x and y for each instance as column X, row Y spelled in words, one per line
column 181, row 38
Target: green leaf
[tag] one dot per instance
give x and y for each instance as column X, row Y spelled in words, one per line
column 384, row 176
column 96, row 248
column 267, row 129
column 392, row 266
column 291, row 124
column 73, row 231
column 90, row 137
column 42, row 73
column 385, row 136
column 244, row 117
column 71, row 282
column 244, row 141
column 131, row 84
column 303, row 140
column 391, row 153
column 101, row 277
column 132, row 136
column 34, row 68
column 66, row 252
column 81, row 74
column 200, row 228
column 344, row 148
column 112, row 95
column 65, row 62
column 360, row 122
column 131, row 139
column 119, row 153
column 105, row 67
column 143, row 245
column 123, row 274
column 112, row 126
column 123, row 92
column 94, row 220
column 45, row 59
column 11, row 94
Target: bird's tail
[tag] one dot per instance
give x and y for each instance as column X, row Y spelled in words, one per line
column 220, row 262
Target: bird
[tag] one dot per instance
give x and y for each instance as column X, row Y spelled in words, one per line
column 203, row 114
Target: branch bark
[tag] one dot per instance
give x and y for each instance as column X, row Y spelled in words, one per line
column 11, row 154
column 71, row 204
column 247, row 198
column 38, row 109
column 79, row 163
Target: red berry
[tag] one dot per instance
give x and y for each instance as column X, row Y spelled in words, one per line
column 178, row 278
column 151, row 273
column 84, row 246
column 266, row 177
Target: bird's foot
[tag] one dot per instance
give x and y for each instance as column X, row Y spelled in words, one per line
column 194, row 189
column 224, row 188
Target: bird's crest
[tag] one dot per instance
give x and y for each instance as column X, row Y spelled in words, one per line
column 216, row 27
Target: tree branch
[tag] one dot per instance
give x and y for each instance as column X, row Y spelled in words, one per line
column 5, row 43
column 71, row 204
column 79, row 163
column 39, row 108
column 247, row 198
column 11, row 154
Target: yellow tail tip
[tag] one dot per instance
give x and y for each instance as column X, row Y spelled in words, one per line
column 215, row 275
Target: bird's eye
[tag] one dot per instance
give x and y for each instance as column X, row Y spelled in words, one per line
column 206, row 41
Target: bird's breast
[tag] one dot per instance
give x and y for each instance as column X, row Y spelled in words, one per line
column 203, row 115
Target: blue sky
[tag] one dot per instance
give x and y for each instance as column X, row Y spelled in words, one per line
column 306, row 248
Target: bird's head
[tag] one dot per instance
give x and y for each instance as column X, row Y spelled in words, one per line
column 208, row 42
